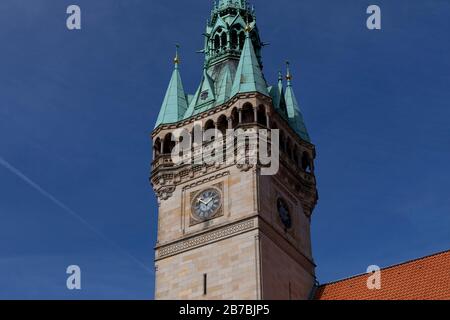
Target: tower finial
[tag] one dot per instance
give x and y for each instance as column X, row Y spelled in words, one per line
column 248, row 27
column 176, row 60
column 288, row 73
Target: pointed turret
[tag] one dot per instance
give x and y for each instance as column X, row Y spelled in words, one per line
column 277, row 94
column 249, row 77
column 175, row 103
column 293, row 109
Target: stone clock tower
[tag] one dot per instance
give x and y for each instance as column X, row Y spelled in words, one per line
column 226, row 231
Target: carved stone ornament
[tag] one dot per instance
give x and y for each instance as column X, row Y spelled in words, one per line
column 165, row 192
column 244, row 166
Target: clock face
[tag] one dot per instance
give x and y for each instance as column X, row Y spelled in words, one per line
column 206, row 204
column 283, row 211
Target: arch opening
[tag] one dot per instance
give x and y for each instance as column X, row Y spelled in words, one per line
column 247, row 113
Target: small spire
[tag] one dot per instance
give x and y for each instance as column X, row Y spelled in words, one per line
column 280, row 82
column 175, row 102
column 293, row 109
column 249, row 76
column 176, row 60
column 288, row 73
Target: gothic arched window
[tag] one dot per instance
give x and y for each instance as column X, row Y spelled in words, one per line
column 210, row 126
column 234, row 39
column 217, row 42
column 222, row 124
column 157, row 147
column 247, row 113
column 234, row 118
column 262, row 117
column 169, row 144
column 224, row 40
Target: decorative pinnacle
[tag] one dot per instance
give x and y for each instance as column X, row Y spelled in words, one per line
column 176, row 60
column 280, row 76
column 288, row 74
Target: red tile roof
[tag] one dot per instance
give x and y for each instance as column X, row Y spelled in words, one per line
column 426, row 278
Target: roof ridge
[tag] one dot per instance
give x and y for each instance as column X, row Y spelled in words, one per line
column 388, row 267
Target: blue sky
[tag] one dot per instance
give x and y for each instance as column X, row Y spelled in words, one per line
column 77, row 107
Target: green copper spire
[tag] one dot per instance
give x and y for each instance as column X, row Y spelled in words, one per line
column 277, row 94
column 249, row 77
column 293, row 109
column 233, row 65
column 175, row 103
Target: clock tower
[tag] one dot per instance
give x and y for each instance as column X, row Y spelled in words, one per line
column 226, row 230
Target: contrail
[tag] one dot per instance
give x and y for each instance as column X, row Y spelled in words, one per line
column 74, row 215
